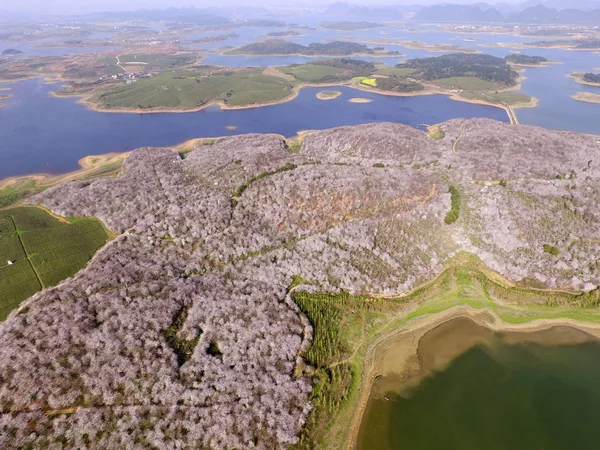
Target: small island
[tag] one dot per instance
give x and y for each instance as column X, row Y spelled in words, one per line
column 418, row 45
column 586, row 97
column 281, row 34
column 590, row 79
column 519, row 59
column 213, row 39
column 351, row 26
column 360, row 100
column 11, row 52
column 328, row 95
column 566, row 44
column 272, row 47
column 3, row 97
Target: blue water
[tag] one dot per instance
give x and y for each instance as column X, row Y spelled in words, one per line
column 30, row 49
column 40, row 133
column 550, row 85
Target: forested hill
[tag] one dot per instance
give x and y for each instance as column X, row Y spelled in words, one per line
column 518, row 58
column 485, row 67
column 283, row 47
column 180, row 332
column 592, row 77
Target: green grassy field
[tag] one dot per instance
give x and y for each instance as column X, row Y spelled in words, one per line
column 42, row 251
column 312, row 73
column 188, row 90
column 18, row 191
column 345, row 326
column 466, row 83
column 149, row 61
column 500, row 98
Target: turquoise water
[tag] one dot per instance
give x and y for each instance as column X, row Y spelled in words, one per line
column 496, row 396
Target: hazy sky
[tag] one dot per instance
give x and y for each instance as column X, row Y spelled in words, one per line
column 79, row 6
column 83, row 6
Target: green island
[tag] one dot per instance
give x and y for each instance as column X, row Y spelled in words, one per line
column 520, row 59
column 283, row 47
column 39, row 250
column 151, row 84
column 588, row 78
column 351, row 26
column 418, row 45
column 11, row 52
column 328, row 95
column 565, row 44
column 468, row 77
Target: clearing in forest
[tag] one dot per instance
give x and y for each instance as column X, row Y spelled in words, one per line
column 38, row 250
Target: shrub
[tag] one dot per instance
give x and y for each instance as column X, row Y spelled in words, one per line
column 452, row 215
column 551, row 249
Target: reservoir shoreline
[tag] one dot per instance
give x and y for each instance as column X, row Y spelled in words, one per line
column 406, row 341
column 85, row 100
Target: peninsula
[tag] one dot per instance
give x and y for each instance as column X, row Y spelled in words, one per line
column 263, row 277
column 590, row 79
column 467, row 77
column 588, row 97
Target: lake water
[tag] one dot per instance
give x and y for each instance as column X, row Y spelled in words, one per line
column 40, row 133
column 505, row 392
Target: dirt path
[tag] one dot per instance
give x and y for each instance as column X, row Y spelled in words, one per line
column 119, row 64
column 455, row 143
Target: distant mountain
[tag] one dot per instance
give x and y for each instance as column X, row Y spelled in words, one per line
column 482, row 12
column 11, row 51
column 459, row 13
column 584, row 5
column 543, row 15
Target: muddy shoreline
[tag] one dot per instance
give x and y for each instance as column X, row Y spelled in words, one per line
column 408, row 354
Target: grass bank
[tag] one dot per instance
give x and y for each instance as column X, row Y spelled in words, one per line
column 15, row 189
column 586, row 97
column 348, row 329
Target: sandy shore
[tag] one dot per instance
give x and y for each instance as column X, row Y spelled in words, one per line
column 587, row 97
column 92, row 106
column 533, row 66
column 353, row 55
column 396, row 354
column 88, row 164
column 454, row 96
column 578, row 77
column 429, row 90
column 328, row 95
column 360, row 100
column 415, row 45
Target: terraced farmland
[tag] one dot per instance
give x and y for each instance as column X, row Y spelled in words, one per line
column 38, row 250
